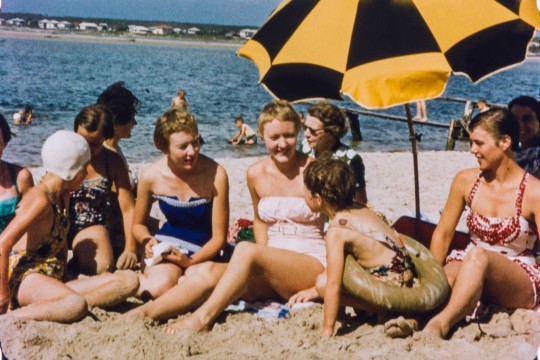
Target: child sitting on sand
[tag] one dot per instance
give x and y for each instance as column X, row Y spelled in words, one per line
column 355, row 229
column 33, row 248
column 245, row 130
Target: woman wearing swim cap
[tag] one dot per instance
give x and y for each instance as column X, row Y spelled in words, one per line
column 33, row 252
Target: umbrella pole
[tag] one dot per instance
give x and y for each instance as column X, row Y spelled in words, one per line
column 413, row 137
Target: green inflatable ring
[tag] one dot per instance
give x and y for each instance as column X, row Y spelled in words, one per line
column 430, row 293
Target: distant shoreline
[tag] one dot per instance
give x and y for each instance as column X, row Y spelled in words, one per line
column 55, row 36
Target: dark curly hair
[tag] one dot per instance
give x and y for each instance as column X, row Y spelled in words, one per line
column 333, row 118
column 333, row 180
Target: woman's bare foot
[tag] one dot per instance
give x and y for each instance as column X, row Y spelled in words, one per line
column 400, row 327
column 190, row 324
column 437, row 328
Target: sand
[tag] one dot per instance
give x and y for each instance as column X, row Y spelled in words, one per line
column 104, row 335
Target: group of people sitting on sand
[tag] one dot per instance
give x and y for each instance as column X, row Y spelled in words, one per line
column 85, row 203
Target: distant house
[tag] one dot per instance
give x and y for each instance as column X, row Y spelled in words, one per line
column 193, row 31
column 65, row 25
column 162, row 30
column 137, row 29
column 88, row 26
column 103, row 27
column 247, row 33
column 178, row 31
column 51, row 24
column 16, row 22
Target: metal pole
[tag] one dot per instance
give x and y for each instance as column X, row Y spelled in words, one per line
column 414, row 139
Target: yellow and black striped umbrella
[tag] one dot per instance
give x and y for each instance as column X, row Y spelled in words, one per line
column 386, row 52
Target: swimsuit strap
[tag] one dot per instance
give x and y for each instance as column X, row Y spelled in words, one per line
column 521, row 190
column 11, row 170
column 474, row 189
column 344, row 224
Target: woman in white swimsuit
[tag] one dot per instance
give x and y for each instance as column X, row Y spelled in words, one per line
column 289, row 252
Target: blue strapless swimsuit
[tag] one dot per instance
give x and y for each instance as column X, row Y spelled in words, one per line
column 189, row 223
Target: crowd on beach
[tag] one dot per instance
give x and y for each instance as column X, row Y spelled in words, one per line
column 84, row 235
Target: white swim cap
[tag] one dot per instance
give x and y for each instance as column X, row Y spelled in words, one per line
column 64, row 153
column 17, row 117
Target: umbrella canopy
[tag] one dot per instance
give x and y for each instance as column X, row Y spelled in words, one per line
column 386, row 52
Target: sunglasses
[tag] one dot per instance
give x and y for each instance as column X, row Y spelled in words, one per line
column 311, row 130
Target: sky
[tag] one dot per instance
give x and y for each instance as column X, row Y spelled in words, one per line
column 226, row 12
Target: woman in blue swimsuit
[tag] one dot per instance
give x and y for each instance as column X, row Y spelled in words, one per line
column 193, row 194
column 14, row 179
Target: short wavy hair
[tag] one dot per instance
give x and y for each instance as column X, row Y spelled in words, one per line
column 333, row 180
column 333, row 118
column 172, row 121
column 278, row 109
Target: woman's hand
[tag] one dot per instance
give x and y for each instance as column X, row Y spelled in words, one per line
column 177, row 257
column 4, row 302
column 128, row 260
column 327, row 331
column 303, row 296
column 148, row 252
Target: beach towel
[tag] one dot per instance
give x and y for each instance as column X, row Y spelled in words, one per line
column 267, row 310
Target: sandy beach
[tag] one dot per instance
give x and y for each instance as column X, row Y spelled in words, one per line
column 390, row 186
column 35, row 34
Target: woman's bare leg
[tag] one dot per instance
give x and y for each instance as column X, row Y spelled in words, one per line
column 488, row 275
column 255, row 272
column 107, row 290
column 92, row 251
column 157, row 279
column 192, row 289
column 44, row 298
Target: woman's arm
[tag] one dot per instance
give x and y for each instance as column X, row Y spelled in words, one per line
column 143, row 206
column 122, row 184
column 31, row 209
column 332, row 295
column 442, row 236
column 260, row 228
column 220, row 219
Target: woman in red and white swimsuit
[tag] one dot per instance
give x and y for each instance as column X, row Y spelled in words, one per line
column 498, row 267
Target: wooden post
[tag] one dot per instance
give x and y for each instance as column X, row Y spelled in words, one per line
column 414, row 139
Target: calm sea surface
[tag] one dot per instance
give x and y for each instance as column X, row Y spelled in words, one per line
column 59, row 78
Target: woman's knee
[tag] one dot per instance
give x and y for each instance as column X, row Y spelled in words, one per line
column 245, row 251
column 76, row 307
column 208, row 272
column 320, row 284
column 128, row 282
column 477, row 258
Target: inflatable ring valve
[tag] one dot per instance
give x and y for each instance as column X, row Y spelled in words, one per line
column 431, row 292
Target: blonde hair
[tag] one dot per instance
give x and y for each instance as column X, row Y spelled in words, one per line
column 172, row 121
column 281, row 110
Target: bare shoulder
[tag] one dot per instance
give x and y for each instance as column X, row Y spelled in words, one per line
column 465, row 178
column 24, row 178
column 211, row 168
column 258, row 168
column 152, row 170
column 532, row 191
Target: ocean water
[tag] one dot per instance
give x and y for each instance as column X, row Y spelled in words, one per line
column 58, row 78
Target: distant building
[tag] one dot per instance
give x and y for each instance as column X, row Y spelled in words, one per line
column 2, row 21
column 88, row 26
column 178, row 31
column 162, row 30
column 16, row 22
column 65, row 25
column 247, row 33
column 103, row 27
column 137, row 29
column 193, row 31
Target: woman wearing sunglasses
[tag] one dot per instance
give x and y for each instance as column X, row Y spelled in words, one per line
column 324, row 126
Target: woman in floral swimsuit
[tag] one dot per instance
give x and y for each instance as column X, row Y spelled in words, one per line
column 498, row 266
